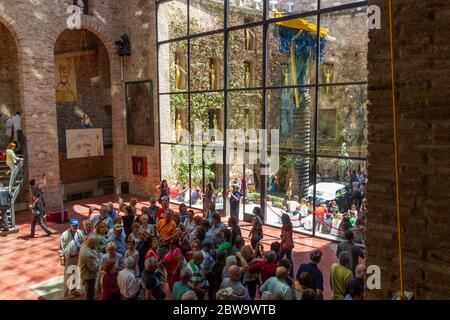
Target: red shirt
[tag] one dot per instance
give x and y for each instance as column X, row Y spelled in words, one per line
column 320, row 211
column 110, row 288
column 267, row 269
column 152, row 253
column 287, row 241
column 160, row 213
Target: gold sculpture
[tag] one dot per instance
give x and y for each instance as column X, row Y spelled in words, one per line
column 328, row 72
column 212, row 75
column 286, row 77
column 216, row 126
column 246, row 122
column 178, row 71
column 179, row 127
column 249, row 38
column 247, row 77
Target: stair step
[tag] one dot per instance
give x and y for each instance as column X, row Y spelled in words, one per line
column 10, row 231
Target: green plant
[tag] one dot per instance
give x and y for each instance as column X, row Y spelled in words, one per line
column 254, row 196
column 200, row 167
column 277, row 204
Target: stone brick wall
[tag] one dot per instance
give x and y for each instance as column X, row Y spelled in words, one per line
column 36, row 28
column 93, row 98
column 140, row 26
column 423, row 58
column 9, row 80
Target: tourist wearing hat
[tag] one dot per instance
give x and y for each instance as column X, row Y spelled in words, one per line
column 68, row 252
column 100, row 218
column 118, row 237
column 314, row 271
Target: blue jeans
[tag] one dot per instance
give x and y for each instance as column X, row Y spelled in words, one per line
column 5, row 219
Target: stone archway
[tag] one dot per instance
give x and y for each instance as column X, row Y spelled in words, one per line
column 83, row 88
column 10, row 93
column 96, row 27
column 10, row 97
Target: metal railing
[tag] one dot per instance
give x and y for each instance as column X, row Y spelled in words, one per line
column 15, row 187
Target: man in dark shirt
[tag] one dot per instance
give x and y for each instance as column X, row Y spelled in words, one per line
column 235, row 230
column 355, row 251
column 235, row 199
column 152, row 282
column 313, row 270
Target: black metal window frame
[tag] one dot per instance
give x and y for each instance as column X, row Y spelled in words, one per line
column 225, row 31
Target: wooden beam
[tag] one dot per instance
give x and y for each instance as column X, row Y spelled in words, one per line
column 75, row 54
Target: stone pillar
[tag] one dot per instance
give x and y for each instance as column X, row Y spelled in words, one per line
column 39, row 115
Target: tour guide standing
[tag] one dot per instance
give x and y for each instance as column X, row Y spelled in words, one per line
column 89, row 263
column 37, row 208
column 68, row 251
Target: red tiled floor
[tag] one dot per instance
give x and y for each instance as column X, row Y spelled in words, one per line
column 25, row 261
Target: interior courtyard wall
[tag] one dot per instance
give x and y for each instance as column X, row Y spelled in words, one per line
column 140, row 26
column 93, row 98
column 36, row 27
column 421, row 37
column 9, row 80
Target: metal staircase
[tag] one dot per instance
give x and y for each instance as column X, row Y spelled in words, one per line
column 14, row 188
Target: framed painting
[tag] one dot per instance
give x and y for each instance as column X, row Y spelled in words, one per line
column 140, row 115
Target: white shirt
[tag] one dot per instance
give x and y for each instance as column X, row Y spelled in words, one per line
column 128, row 284
column 293, row 205
column 9, row 125
column 17, row 121
column 308, row 222
column 190, row 226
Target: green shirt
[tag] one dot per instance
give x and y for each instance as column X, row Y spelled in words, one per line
column 339, row 276
column 179, row 288
column 11, row 156
column 225, row 246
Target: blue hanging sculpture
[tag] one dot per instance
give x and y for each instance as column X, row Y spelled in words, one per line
column 295, row 126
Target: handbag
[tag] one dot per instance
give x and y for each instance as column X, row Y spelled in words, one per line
column 3, row 155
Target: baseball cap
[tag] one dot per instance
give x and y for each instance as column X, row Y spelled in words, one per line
column 74, row 222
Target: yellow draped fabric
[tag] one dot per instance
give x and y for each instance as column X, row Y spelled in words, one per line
column 300, row 24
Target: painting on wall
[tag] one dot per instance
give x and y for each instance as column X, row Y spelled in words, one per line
column 66, row 80
column 140, row 166
column 84, row 143
column 139, row 101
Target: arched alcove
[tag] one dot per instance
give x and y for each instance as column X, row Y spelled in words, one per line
column 83, row 88
column 10, row 101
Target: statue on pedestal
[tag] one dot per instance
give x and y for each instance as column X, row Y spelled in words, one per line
column 179, row 127
column 216, row 127
column 212, row 76
column 178, row 72
column 343, row 164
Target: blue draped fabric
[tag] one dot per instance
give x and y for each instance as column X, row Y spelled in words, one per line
column 305, row 42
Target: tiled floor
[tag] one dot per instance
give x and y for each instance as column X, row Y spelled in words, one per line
column 25, row 262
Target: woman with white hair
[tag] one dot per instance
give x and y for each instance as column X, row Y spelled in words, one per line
column 129, row 285
column 145, row 226
column 112, row 254
column 152, row 281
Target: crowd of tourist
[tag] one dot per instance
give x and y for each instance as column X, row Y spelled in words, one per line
column 156, row 253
